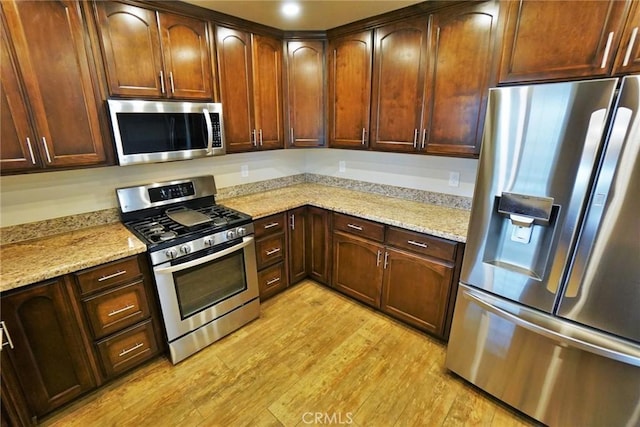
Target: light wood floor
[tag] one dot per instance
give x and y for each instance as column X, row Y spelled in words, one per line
column 313, row 351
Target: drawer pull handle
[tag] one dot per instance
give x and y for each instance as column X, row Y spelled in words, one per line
column 127, row 351
column 111, row 276
column 272, row 281
column 121, row 310
column 273, row 224
column 6, row 333
column 355, row 227
column 419, row 244
column 272, row 251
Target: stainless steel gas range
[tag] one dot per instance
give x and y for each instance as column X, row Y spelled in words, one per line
column 202, row 256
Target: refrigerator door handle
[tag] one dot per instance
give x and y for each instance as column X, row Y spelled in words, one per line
column 600, row 198
column 624, row 353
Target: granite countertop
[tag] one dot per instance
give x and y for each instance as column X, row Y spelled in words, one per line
column 32, row 261
column 441, row 221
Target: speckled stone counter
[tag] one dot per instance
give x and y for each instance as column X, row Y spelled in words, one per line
column 35, row 260
column 440, row 221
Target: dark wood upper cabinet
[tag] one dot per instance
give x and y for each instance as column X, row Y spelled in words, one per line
column 554, row 40
column 233, row 49
column 250, row 73
column 267, row 92
column 628, row 57
column 57, row 74
column 350, row 61
column 462, row 39
column 144, row 59
column 400, row 64
column 185, row 48
column 50, row 360
column 306, row 93
column 17, row 136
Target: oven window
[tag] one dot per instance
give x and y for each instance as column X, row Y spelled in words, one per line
column 204, row 285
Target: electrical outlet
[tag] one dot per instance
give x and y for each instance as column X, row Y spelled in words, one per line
column 454, row 179
column 342, row 166
column 244, row 171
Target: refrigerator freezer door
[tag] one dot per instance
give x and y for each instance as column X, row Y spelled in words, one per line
column 550, row 369
column 603, row 289
column 540, row 143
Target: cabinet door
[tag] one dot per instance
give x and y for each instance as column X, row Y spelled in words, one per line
column 131, row 48
column 357, row 268
column 189, row 75
column 628, row 57
column 298, row 244
column 49, row 41
column 267, row 92
column 17, row 151
column 399, row 70
column 319, row 235
column 462, row 39
column 50, row 361
column 350, row 59
column 547, row 40
column 416, row 290
column 234, row 68
column 305, row 86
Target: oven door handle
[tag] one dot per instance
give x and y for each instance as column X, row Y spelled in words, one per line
column 246, row 241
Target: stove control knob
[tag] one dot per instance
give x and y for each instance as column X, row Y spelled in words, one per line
column 241, row 231
column 171, row 253
column 231, row 234
column 208, row 241
column 185, row 249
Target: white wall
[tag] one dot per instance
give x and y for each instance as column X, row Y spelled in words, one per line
column 40, row 196
column 420, row 172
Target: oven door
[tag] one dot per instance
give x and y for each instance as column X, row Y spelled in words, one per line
column 201, row 289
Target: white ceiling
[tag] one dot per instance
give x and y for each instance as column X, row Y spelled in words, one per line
column 314, row 14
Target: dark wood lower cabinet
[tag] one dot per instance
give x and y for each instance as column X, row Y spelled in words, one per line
column 357, row 268
column 319, row 253
column 416, row 289
column 298, row 244
column 50, row 361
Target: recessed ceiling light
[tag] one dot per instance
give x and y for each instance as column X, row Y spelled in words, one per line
column 290, row 9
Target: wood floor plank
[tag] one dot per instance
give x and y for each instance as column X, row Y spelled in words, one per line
column 313, row 352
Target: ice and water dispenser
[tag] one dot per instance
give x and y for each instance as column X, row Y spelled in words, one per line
column 521, row 232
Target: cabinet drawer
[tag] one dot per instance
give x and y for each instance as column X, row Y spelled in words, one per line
column 107, row 275
column 359, row 227
column 272, row 280
column 270, row 250
column 421, row 243
column 269, row 225
column 116, row 309
column 128, row 348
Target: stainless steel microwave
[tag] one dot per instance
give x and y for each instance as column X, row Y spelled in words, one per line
column 163, row 131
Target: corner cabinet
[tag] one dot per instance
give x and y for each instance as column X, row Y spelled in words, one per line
column 51, row 362
column 250, row 70
column 350, row 64
column 410, row 276
column 555, row 40
column 52, row 116
column 305, row 83
column 144, row 52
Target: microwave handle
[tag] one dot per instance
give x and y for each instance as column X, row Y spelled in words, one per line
column 207, row 119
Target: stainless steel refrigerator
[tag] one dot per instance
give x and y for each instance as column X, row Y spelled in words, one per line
column 547, row 316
